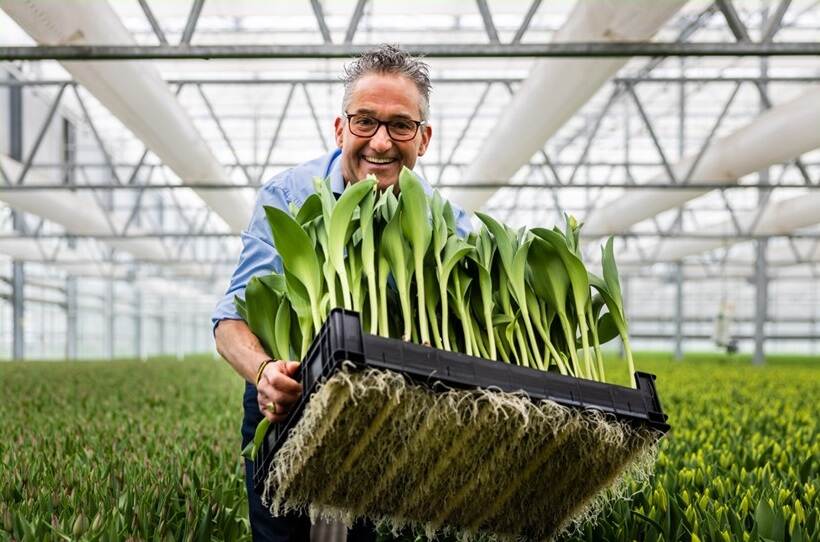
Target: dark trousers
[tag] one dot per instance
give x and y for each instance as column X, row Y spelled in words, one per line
column 293, row 527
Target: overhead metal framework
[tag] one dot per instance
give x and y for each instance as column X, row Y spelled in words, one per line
column 259, row 85
column 89, row 53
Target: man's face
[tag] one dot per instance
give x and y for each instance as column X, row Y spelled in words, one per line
column 383, row 97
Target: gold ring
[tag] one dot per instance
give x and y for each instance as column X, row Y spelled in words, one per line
column 271, row 407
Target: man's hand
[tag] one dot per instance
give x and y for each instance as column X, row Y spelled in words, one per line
column 279, row 388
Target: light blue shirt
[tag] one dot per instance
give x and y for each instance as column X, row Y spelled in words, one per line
column 259, row 256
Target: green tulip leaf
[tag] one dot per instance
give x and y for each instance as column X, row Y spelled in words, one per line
column 261, row 304
column 290, row 241
column 418, row 231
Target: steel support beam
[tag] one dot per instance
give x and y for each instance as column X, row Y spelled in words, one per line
column 103, row 150
column 706, row 337
column 681, row 111
column 761, row 279
column 81, row 53
column 178, row 330
column 320, row 20
column 18, row 310
column 15, row 122
column 110, row 324
column 284, row 164
column 659, row 80
column 190, row 25
column 222, row 131
column 355, row 19
column 276, row 132
column 163, row 322
column 487, row 18
column 17, row 267
column 733, row 20
column 139, row 352
column 40, row 136
column 320, row 132
column 761, row 303
column 679, row 311
column 464, row 131
column 525, row 23
column 71, row 313
column 152, row 20
column 199, row 233
column 652, row 135
column 775, row 21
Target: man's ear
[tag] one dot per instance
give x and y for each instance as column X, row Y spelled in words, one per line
column 426, row 134
column 339, row 126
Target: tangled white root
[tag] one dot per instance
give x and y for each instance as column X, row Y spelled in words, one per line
column 479, row 464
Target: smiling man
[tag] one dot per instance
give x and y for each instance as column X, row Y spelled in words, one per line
column 383, row 126
column 366, row 148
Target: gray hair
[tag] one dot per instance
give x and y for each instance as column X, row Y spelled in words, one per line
column 390, row 59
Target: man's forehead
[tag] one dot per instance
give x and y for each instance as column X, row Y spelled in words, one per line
column 373, row 92
column 373, row 113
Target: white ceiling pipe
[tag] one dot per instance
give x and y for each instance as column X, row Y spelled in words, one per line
column 44, row 250
column 699, row 270
column 778, row 135
column 78, row 212
column 557, row 88
column 134, row 92
column 808, row 252
column 779, row 257
column 779, row 217
column 728, row 273
column 72, row 261
column 76, row 263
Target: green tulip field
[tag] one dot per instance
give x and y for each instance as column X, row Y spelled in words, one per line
column 131, row 450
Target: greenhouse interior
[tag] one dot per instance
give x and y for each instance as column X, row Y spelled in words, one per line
column 596, row 187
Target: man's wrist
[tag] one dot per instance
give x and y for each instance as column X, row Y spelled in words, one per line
column 261, row 369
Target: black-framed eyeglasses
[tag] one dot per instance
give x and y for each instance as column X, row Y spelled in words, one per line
column 398, row 129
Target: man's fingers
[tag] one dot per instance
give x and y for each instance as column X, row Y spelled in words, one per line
column 278, row 413
column 284, row 383
column 279, row 388
column 291, row 367
column 269, row 392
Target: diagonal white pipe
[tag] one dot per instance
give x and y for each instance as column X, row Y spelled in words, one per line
column 48, row 251
column 134, row 92
column 778, row 135
column 78, row 212
column 557, row 88
column 780, row 217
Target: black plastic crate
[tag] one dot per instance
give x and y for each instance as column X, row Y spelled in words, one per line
column 342, row 339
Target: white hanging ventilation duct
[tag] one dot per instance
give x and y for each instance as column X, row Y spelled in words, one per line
column 780, row 217
column 557, row 88
column 49, row 252
column 78, row 212
column 134, row 92
column 778, row 135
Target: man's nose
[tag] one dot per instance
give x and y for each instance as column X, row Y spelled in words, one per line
column 380, row 141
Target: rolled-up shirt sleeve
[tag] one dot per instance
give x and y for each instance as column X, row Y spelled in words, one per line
column 258, row 256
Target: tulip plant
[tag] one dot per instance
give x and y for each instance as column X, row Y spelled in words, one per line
column 516, row 296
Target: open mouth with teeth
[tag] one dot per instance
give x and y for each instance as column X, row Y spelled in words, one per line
column 377, row 161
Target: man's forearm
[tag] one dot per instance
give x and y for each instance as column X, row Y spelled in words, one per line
column 239, row 346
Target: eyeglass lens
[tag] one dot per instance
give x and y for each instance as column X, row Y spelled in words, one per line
column 398, row 129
